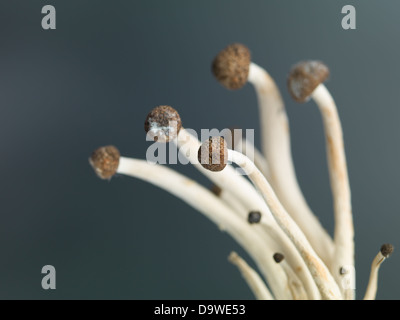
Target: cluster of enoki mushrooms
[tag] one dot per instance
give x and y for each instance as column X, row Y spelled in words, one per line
column 264, row 210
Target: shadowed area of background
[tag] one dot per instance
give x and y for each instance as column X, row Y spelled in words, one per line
column 92, row 81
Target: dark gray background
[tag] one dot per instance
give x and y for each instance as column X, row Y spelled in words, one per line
column 92, row 81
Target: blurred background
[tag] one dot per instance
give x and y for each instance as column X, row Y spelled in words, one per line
column 92, row 81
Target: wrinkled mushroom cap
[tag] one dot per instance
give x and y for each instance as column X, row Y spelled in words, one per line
column 213, row 154
column 231, row 66
column 163, row 124
column 305, row 77
column 105, row 161
column 387, row 249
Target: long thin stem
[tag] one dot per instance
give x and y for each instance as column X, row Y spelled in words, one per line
column 383, row 254
column 244, row 146
column 243, row 190
column 309, row 282
column 372, row 288
column 344, row 229
column 276, row 147
column 251, row 277
column 294, row 283
column 208, row 204
column 323, row 279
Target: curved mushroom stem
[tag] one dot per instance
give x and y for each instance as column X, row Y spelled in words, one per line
column 231, row 201
column 251, row 277
column 244, row 146
column 294, row 283
column 344, row 229
column 276, row 147
column 382, row 255
column 326, row 284
column 228, row 180
column 294, row 259
column 208, row 204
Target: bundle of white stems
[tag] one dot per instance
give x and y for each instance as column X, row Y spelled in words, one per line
column 267, row 213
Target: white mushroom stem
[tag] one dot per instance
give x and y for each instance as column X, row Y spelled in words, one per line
column 251, row 277
column 238, row 207
column 276, row 148
column 323, row 279
column 372, row 288
column 268, row 233
column 297, row 263
column 208, row 204
column 244, row 146
column 231, row 201
column 344, row 229
column 228, row 180
column 294, row 283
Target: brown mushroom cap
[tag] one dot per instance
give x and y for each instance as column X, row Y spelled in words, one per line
column 213, row 154
column 163, row 124
column 105, row 161
column 305, row 77
column 231, row 66
column 387, row 249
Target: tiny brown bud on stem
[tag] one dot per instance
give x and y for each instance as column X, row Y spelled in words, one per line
column 278, row 257
column 254, row 217
column 386, row 250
